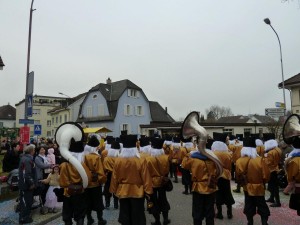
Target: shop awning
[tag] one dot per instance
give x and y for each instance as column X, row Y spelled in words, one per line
column 96, row 130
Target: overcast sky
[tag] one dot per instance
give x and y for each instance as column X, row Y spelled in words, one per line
column 185, row 54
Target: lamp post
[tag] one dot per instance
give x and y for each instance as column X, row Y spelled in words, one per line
column 28, row 61
column 64, row 94
column 268, row 22
column 1, row 64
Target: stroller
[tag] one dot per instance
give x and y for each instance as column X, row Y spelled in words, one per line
column 13, row 180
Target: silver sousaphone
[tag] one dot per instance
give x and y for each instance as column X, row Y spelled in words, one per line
column 191, row 128
column 291, row 129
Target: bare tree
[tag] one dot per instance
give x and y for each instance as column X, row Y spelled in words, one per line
column 215, row 112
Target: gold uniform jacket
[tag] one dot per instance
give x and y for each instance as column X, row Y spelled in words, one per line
column 69, row 175
column 94, row 164
column 200, row 169
column 176, row 155
column 130, row 178
column 158, row 168
column 292, row 170
column 257, row 173
column 236, row 154
column 273, row 159
column 226, row 159
column 108, row 163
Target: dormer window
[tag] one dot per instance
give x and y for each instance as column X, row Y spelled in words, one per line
column 95, row 96
column 133, row 93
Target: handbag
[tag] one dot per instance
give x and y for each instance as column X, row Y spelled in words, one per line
column 167, row 184
column 94, row 176
column 74, row 188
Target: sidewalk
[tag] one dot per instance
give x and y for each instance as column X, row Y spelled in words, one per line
column 8, row 216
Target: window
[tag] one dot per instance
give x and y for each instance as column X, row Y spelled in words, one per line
column 127, row 110
column 37, row 122
column 60, row 119
column 56, row 119
column 95, row 96
column 101, row 109
column 133, row 93
column 66, row 118
column 247, row 131
column 49, row 123
column 1, row 124
column 89, row 111
column 228, row 131
column 36, row 111
column 48, row 133
column 297, row 111
column 125, row 126
column 139, row 110
column 52, row 120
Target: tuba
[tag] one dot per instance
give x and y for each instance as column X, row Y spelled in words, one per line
column 291, row 129
column 191, row 128
column 66, row 134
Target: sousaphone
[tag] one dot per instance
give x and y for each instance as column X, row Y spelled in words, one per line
column 191, row 128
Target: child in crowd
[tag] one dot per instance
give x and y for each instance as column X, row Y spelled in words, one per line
column 51, row 200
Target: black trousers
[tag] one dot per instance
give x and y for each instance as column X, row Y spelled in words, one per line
column 26, row 200
column 273, row 186
column 74, row 207
column 203, row 207
column 160, row 201
column 94, row 198
column 255, row 204
column 132, row 211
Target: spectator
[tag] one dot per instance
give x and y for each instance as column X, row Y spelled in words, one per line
column 11, row 159
column 26, row 184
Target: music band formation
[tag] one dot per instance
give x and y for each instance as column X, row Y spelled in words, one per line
column 136, row 174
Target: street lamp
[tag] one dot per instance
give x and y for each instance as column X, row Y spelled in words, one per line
column 268, row 22
column 28, row 61
column 1, row 64
column 64, row 94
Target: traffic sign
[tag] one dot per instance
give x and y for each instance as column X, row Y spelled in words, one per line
column 274, row 112
column 24, row 121
column 37, row 129
column 29, row 105
column 279, row 104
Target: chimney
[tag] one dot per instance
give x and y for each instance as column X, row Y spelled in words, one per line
column 166, row 109
column 108, row 81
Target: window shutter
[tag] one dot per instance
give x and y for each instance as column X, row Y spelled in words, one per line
column 137, row 94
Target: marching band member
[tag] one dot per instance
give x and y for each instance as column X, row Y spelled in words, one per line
column 168, row 149
column 131, row 187
column 187, row 147
column 252, row 173
column 73, row 172
column 238, row 145
column 108, row 164
column 205, row 168
column 97, row 177
column 176, row 157
column 223, row 194
column 158, row 164
column 272, row 158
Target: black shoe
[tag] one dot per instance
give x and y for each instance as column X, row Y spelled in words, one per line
column 102, row 222
column 275, row 205
column 90, row 221
column 29, row 220
column 219, row 216
column 166, row 222
column 270, row 200
column 185, row 193
column 236, row 191
column 229, row 215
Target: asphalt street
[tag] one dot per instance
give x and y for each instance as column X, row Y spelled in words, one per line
column 181, row 211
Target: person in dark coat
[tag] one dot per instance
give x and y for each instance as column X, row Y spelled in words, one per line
column 26, row 184
column 11, row 159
